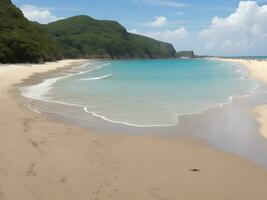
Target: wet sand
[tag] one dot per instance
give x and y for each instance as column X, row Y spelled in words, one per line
column 231, row 127
column 258, row 70
column 45, row 159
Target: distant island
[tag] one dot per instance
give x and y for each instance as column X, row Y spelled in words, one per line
column 76, row 37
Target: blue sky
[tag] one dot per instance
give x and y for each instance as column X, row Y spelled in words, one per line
column 182, row 23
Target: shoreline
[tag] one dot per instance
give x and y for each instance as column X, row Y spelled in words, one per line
column 103, row 117
column 44, row 159
column 257, row 70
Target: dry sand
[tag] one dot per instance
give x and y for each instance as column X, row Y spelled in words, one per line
column 258, row 70
column 45, row 160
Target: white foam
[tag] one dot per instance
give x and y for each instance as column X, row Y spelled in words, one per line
column 34, row 110
column 39, row 91
column 129, row 124
column 96, row 78
column 176, row 116
column 82, row 66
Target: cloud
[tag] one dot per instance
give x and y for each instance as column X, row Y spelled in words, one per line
column 172, row 36
column 159, row 21
column 179, row 13
column 168, row 35
column 243, row 31
column 135, row 31
column 166, row 3
column 41, row 15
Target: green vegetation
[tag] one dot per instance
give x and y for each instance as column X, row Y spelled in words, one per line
column 186, row 54
column 21, row 40
column 75, row 37
column 83, row 36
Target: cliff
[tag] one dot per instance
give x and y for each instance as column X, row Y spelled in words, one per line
column 186, row 54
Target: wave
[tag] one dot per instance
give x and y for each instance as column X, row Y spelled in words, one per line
column 82, row 66
column 96, row 78
column 38, row 91
column 130, row 124
column 176, row 116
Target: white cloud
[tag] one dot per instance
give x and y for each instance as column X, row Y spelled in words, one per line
column 168, row 35
column 179, row 13
column 135, row 31
column 167, row 3
column 159, row 21
column 243, row 31
column 172, row 36
column 41, row 15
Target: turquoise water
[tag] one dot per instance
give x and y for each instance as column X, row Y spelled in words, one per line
column 146, row 93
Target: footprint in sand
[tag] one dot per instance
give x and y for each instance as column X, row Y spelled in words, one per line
column 156, row 194
column 2, row 195
column 30, row 172
column 63, row 180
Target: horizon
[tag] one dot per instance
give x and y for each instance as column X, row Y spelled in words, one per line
column 215, row 28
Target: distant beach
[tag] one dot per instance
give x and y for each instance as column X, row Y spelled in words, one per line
column 47, row 159
column 258, row 69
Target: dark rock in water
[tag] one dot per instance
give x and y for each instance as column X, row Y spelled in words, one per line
column 186, row 54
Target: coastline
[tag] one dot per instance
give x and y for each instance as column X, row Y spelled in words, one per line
column 32, row 92
column 258, row 70
column 44, row 159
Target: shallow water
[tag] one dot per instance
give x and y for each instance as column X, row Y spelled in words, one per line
column 146, row 93
column 221, row 91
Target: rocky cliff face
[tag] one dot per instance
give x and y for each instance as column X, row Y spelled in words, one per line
column 186, row 54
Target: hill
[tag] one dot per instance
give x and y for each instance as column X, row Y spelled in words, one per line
column 83, row 36
column 21, row 40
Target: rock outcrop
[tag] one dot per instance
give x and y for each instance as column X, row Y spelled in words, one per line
column 186, row 54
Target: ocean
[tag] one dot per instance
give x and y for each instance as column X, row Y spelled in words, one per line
column 145, row 93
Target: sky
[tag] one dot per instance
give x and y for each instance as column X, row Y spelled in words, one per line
column 209, row 27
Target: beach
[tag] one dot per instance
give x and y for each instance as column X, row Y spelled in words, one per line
column 257, row 70
column 45, row 159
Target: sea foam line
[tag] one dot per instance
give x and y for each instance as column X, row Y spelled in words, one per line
column 96, row 78
column 50, row 82
column 38, row 91
column 34, row 110
column 84, row 108
column 129, row 124
column 177, row 116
